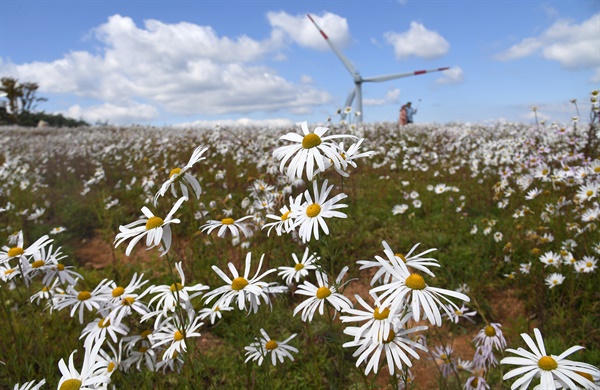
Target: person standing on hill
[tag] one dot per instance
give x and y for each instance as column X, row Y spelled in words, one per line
column 410, row 112
column 402, row 119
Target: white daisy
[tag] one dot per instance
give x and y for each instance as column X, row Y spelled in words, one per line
column 416, row 261
column 587, row 264
column 247, row 291
column 19, row 252
column 395, row 347
column 410, row 288
column 100, row 328
column 283, row 223
column 154, row 228
column 319, row 294
column 90, row 376
column 166, row 298
column 554, row 279
column 550, row 258
column 300, row 269
column 491, row 336
column 264, row 345
column 311, row 214
column 549, row 368
column 307, row 151
column 167, row 332
column 213, row 312
column 228, row 224
column 78, row 301
column 378, row 321
column 183, row 177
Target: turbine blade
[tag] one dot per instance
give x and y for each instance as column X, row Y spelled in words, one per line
column 341, row 56
column 348, row 103
column 400, row 75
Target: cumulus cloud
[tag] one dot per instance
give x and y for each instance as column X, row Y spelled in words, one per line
column 453, row 75
column 391, row 97
column 241, row 122
column 418, row 41
column 131, row 112
column 179, row 68
column 300, row 30
column 574, row 46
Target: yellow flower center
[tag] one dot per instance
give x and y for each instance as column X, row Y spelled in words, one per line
column 37, row 264
column 239, row 283
column 16, row 251
column 285, row 215
column 9, row 271
column 128, row 301
column 415, row 282
column 45, row 289
column 323, row 292
column 547, row 363
column 475, row 382
column 154, row 222
column 227, row 221
column 70, row 384
column 60, row 267
column 176, row 287
column 589, row 264
column 145, row 334
column 489, row 331
column 117, row 292
column 597, row 169
column 381, row 315
column 313, row 210
column 271, row 345
column 111, row 367
column 300, row 266
column 390, row 337
column 143, row 349
column 178, row 336
column 174, row 171
column 589, row 193
column 103, row 323
column 311, row 140
column 587, row 376
column 544, row 172
column 84, row 295
column 401, row 256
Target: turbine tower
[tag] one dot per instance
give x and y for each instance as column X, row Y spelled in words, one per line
column 358, row 79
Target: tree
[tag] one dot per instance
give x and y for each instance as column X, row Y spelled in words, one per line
column 22, row 100
column 28, row 99
column 12, row 89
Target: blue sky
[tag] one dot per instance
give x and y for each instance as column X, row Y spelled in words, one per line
column 174, row 62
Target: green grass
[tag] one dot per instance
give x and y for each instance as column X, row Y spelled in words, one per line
column 34, row 340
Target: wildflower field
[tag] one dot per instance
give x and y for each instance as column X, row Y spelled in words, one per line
column 361, row 256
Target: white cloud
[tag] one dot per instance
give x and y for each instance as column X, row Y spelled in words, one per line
column 453, row 75
column 306, row 79
column 180, row 68
column 301, row 30
column 417, row 41
column 574, row 46
column 391, row 97
column 131, row 112
column 242, row 122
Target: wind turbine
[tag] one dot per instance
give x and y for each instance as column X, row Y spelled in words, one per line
column 358, row 79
